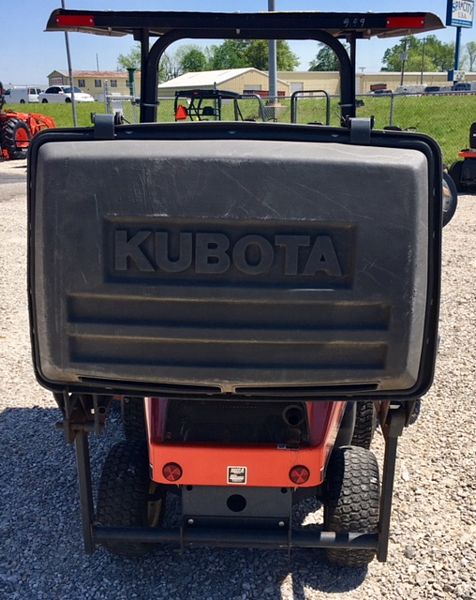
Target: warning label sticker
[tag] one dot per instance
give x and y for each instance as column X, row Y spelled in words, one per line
column 237, row 475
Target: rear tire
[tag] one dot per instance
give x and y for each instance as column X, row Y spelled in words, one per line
column 16, row 136
column 126, row 496
column 352, row 501
column 133, row 418
column 67, row 100
column 365, row 424
column 455, row 174
column 44, row 101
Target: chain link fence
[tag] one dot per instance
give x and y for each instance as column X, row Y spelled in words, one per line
column 446, row 117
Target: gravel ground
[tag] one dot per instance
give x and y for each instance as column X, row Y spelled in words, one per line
column 432, row 549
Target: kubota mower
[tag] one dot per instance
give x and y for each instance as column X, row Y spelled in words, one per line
column 261, row 296
column 463, row 172
column 17, row 129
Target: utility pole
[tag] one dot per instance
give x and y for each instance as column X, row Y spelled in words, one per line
column 422, row 60
column 70, row 74
column 272, row 60
column 404, row 57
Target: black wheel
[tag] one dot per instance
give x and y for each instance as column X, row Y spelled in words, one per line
column 450, row 198
column 16, row 138
column 455, row 174
column 133, row 418
column 44, row 101
column 365, row 424
column 67, row 100
column 22, row 101
column 352, row 501
column 127, row 497
column 415, row 412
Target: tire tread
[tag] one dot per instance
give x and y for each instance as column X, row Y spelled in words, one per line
column 353, row 501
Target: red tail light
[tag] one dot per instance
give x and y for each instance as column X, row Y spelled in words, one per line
column 299, row 474
column 405, row 22
column 172, row 471
column 75, row 21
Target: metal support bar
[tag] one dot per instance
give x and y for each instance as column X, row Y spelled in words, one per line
column 353, row 53
column 457, row 48
column 144, row 56
column 392, row 430
column 238, row 537
column 272, row 62
column 150, row 63
column 85, row 489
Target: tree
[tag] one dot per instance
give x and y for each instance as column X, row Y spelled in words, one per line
column 427, row 54
column 325, row 60
column 190, row 58
column 470, row 55
column 228, row 55
column 257, row 55
column 132, row 61
column 234, row 54
column 166, row 68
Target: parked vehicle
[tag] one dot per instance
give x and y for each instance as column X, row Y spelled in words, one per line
column 410, row 89
column 207, row 104
column 464, row 86
column 260, row 296
column 22, row 95
column 438, row 89
column 57, row 94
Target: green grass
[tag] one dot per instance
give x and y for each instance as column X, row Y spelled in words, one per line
column 445, row 118
column 62, row 113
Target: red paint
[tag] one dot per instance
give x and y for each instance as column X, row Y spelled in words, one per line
column 267, row 465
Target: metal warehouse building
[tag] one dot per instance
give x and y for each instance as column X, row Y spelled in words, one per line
column 246, row 80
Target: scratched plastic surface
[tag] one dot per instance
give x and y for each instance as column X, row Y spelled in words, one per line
column 230, row 264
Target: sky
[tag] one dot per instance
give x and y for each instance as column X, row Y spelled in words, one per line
column 29, row 54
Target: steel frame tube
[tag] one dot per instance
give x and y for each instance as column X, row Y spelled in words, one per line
column 392, row 429
column 238, row 538
column 294, row 101
column 85, row 489
column 151, row 58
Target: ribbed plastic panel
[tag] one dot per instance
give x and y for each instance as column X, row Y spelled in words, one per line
column 232, row 266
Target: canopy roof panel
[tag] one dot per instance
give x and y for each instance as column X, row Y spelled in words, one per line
column 297, row 25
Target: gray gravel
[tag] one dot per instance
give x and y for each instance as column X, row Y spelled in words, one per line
column 432, row 550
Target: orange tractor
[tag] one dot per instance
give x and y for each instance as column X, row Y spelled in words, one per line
column 17, row 129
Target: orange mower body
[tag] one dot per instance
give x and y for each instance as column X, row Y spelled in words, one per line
column 243, row 461
column 17, row 129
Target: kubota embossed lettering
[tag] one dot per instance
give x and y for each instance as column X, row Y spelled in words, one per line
column 214, row 253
